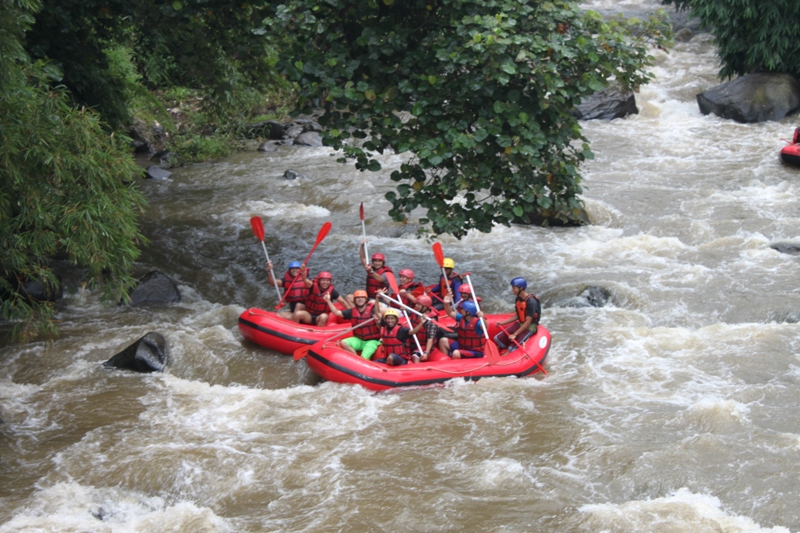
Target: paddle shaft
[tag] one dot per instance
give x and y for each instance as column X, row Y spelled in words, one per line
column 364, row 232
column 477, row 306
column 405, row 307
column 320, row 236
column 301, row 352
column 521, row 347
column 258, row 229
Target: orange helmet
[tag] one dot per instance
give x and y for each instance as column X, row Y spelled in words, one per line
column 360, row 294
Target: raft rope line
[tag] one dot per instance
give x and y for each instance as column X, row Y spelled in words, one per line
column 416, row 366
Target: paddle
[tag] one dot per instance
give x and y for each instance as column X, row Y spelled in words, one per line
column 303, row 351
column 323, row 232
column 491, row 347
column 439, row 255
column 521, row 347
column 258, row 229
column 396, row 289
column 404, row 306
column 364, row 231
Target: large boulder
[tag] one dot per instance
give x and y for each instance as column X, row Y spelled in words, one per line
column 608, row 104
column 753, row 98
column 149, row 354
column 155, row 287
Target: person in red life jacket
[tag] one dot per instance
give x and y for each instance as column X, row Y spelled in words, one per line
column 427, row 330
column 394, row 338
column 441, row 290
column 409, row 289
column 316, row 307
column 295, row 293
column 367, row 338
column 526, row 319
column 471, row 340
column 466, row 296
column 376, row 271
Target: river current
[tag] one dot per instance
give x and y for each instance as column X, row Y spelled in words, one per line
column 670, row 408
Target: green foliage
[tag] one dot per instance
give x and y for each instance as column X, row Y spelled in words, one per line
column 196, row 148
column 751, row 35
column 217, row 47
column 64, row 188
column 478, row 91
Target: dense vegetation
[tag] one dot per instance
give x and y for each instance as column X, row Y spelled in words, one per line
column 751, row 35
column 63, row 187
column 478, row 92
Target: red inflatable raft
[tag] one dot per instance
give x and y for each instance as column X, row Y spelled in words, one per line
column 791, row 152
column 335, row 364
column 269, row 330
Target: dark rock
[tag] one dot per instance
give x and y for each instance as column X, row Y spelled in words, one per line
column 590, row 296
column 155, row 287
column 38, row 291
column 149, row 354
column 293, row 130
column 267, row 129
column 292, row 175
column 786, row 248
column 683, row 36
column 141, row 136
column 608, row 104
column 309, row 138
column 753, row 98
column 157, row 173
column 545, row 218
column 161, row 156
column 269, row 146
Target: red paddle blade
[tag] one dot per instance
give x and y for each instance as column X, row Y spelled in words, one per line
column 438, row 253
column 258, row 227
column 491, row 351
column 323, row 232
column 393, row 283
column 362, row 211
column 301, row 353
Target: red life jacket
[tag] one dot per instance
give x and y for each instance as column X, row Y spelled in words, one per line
column 373, row 284
column 315, row 303
column 391, row 344
column 521, row 305
column 443, row 285
column 295, row 292
column 468, row 338
column 422, row 334
column 369, row 331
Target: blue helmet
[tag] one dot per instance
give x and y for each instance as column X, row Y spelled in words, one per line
column 294, row 264
column 470, row 308
column 520, row 283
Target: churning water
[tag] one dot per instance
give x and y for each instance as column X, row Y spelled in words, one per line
column 672, row 407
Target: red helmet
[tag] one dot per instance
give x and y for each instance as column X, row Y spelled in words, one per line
column 425, row 300
column 408, row 273
column 464, row 289
column 379, row 257
column 325, row 275
column 360, row 294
